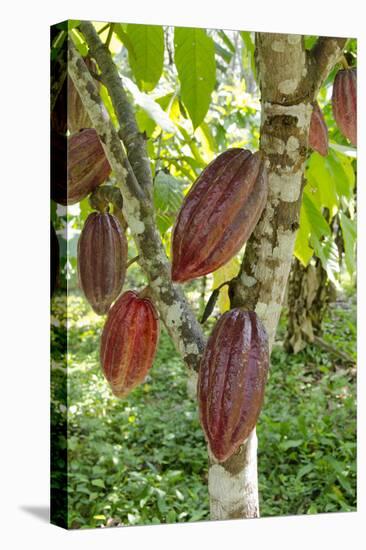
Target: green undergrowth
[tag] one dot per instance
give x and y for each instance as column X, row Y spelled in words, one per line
column 143, row 460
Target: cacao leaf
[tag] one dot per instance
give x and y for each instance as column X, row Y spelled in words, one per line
column 146, row 57
column 195, row 61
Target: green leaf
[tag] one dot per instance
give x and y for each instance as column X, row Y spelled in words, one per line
column 225, row 54
column 310, row 41
column 321, row 238
column 146, row 54
column 303, row 251
column 349, row 233
column 249, row 50
column 321, row 183
column 98, row 483
column 224, row 37
column 290, row 443
column 195, row 61
column 168, row 198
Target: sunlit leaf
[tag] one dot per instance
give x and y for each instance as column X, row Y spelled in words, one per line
column 195, row 61
column 146, row 54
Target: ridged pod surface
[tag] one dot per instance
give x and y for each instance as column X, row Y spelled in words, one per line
column 344, row 103
column 318, row 134
column 78, row 172
column 219, row 213
column 102, row 257
column 231, row 380
column 129, row 341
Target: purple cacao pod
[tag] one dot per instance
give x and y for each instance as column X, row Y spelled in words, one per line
column 219, row 213
column 102, row 257
column 344, row 103
column 231, row 381
column 318, row 134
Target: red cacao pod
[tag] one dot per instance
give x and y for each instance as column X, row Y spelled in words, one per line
column 102, row 256
column 129, row 341
column 318, row 134
column 231, row 381
column 344, row 103
column 219, row 213
column 85, row 164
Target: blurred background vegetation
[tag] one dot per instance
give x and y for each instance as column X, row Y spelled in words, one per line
column 143, row 460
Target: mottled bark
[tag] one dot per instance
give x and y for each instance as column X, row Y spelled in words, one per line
column 287, row 90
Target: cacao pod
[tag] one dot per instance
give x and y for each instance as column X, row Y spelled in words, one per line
column 344, row 103
column 129, row 341
column 318, row 134
column 219, row 213
column 102, row 256
column 85, row 163
column 231, row 381
column 55, row 259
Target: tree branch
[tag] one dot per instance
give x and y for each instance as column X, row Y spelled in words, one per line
column 138, row 209
column 129, row 132
column 322, row 58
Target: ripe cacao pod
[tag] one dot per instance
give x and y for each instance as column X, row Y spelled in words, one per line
column 129, row 341
column 318, row 134
column 85, row 164
column 219, row 213
column 231, row 381
column 344, row 103
column 102, row 256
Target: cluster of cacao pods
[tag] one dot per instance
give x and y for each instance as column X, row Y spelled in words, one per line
column 217, row 217
column 219, row 213
column 78, row 160
column 344, row 105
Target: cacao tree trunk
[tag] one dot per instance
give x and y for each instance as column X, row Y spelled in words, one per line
column 289, row 78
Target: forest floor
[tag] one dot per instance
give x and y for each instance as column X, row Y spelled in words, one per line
column 143, row 459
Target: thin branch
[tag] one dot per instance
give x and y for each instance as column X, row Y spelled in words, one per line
column 324, row 55
column 85, row 85
column 110, row 34
column 132, row 138
column 138, row 209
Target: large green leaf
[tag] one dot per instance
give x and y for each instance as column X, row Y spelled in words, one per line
column 145, row 54
column 249, row 50
column 330, row 179
column 195, row 61
column 349, row 232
